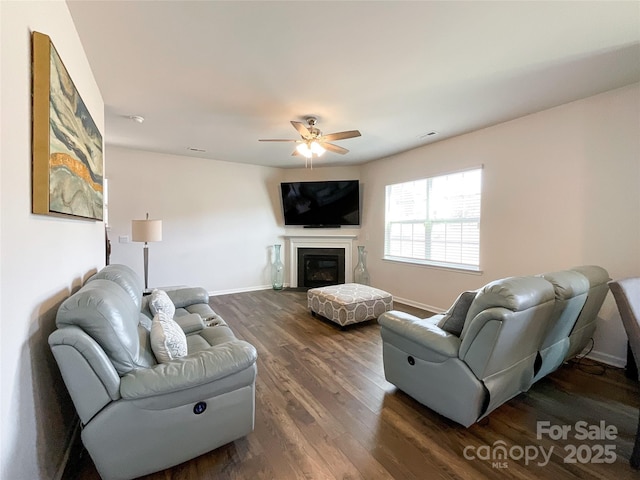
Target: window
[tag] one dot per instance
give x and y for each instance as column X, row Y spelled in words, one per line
column 435, row 221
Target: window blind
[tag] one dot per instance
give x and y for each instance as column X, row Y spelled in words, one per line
column 435, row 220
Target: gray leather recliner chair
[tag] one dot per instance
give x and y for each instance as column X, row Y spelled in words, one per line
column 466, row 377
column 139, row 416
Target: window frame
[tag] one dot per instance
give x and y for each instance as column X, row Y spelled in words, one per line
column 430, row 222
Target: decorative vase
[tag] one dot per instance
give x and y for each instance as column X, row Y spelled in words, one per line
column 277, row 269
column 361, row 274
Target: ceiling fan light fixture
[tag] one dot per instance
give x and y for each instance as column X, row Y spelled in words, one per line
column 316, row 148
column 313, row 141
column 304, row 150
column 308, row 149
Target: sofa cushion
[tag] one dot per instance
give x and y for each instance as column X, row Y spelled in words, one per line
column 160, row 302
column 185, row 296
column 124, row 276
column 191, row 323
column 168, row 340
column 512, row 293
column 105, row 312
column 454, row 318
column 209, row 337
column 571, row 290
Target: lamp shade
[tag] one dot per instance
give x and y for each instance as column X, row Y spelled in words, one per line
column 146, row 230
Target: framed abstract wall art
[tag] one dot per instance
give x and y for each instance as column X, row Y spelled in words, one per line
column 67, row 163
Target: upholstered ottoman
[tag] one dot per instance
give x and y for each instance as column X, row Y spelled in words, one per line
column 349, row 302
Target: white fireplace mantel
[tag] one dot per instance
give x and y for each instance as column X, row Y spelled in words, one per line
column 319, row 241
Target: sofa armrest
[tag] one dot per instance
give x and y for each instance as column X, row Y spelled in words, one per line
column 183, row 297
column 190, row 323
column 421, row 331
column 89, row 375
column 194, row 370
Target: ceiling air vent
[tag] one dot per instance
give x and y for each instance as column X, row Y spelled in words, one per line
column 432, row 133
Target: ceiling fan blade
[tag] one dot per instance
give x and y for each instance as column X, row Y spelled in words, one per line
column 341, row 135
column 276, row 140
column 334, row 148
column 302, row 130
column 296, row 153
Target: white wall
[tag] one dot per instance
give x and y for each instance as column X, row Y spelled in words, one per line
column 560, row 188
column 220, row 219
column 43, row 258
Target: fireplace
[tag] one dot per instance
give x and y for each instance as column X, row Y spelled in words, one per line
column 318, row 267
column 340, row 244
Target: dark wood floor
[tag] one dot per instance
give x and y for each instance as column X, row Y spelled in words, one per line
column 325, row 411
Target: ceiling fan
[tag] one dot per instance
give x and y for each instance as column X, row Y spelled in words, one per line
column 313, row 142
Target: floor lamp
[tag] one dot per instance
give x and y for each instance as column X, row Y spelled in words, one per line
column 146, row 231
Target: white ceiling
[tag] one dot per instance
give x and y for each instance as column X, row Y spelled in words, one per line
column 218, row 76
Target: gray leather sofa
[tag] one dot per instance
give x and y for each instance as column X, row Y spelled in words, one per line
column 494, row 343
column 139, row 416
column 582, row 332
column 571, row 290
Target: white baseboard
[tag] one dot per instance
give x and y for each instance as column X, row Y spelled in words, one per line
column 422, row 306
column 608, row 359
column 240, row 290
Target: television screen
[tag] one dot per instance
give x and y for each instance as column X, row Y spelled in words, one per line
column 330, row 203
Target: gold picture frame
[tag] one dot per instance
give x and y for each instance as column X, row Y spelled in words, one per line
column 67, row 163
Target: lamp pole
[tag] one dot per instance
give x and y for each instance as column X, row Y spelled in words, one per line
column 146, row 231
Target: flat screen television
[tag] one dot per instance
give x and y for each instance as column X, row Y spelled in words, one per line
column 331, row 203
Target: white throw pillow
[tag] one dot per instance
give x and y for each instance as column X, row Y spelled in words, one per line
column 160, row 302
column 168, row 341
